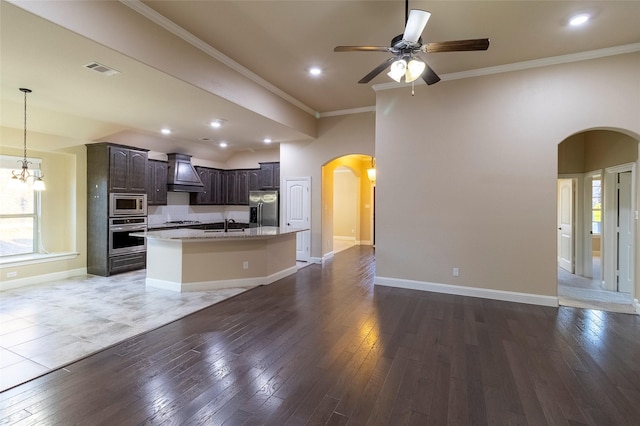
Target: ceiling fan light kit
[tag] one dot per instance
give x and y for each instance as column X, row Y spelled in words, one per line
column 405, row 65
column 398, row 70
column 406, row 70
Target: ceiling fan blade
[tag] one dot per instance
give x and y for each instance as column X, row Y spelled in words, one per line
column 429, row 76
column 415, row 25
column 377, row 70
column 457, row 45
column 361, row 49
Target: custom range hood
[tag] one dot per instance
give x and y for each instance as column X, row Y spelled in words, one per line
column 181, row 175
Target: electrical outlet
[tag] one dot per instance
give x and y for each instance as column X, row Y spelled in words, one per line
column 245, row 265
column 12, row 274
column 456, row 272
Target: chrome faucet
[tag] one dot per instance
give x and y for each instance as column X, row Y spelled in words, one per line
column 226, row 224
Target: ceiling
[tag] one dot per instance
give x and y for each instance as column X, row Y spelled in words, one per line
column 276, row 42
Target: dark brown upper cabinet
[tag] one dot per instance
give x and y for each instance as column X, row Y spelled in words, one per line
column 127, row 170
column 156, row 182
column 212, row 193
column 270, row 175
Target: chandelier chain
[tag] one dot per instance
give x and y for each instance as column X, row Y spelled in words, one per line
column 25, row 122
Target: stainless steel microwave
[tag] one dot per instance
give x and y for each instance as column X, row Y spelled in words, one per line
column 127, row 205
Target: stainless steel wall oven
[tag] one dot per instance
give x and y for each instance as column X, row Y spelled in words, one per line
column 120, row 240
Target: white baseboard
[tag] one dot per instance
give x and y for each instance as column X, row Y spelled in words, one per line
column 281, row 274
column 40, row 279
column 637, row 305
column 364, row 243
column 219, row 284
column 324, row 258
column 343, row 238
column 485, row 293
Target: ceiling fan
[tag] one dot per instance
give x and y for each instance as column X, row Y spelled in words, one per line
column 406, row 64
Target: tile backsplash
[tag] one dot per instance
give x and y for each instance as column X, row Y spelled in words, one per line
column 178, row 208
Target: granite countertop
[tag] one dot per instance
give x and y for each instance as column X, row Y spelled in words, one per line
column 185, row 234
column 157, row 226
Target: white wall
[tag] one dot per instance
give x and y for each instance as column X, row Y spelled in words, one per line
column 467, row 171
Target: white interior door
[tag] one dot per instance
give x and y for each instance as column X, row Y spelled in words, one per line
column 565, row 224
column 297, row 213
column 625, row 240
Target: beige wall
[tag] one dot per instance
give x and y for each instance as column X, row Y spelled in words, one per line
column 473, row 163
column 63, row 205
column 252, row 159
column 594, row 150
column 571, row 155
column 337, row 136
column 595, row 244
column 606, row 149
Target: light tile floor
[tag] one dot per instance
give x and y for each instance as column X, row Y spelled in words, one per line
column 587, row 293
column 45, row 327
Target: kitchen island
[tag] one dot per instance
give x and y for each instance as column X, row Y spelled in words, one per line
column 195, row 260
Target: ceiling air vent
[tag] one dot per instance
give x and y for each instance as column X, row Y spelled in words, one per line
column 102, row 69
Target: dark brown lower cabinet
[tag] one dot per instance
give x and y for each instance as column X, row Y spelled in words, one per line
column 128, row 262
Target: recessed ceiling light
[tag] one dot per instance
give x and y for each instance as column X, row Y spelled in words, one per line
column 165, row 131
column 267, row 140
column 216, row 124
column 579, row 19
column 223, row 144
column 315, row 71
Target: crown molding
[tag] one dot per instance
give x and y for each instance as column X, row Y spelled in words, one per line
column 518, row 66
column 177, row 30
column 347, row 111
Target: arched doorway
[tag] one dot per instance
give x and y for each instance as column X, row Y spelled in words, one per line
column 348, row 206
column 596, row 171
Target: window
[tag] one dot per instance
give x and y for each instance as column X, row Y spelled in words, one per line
column 19, row 209
column 596, row 205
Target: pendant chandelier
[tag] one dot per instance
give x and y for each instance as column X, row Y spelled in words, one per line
column 24, row 175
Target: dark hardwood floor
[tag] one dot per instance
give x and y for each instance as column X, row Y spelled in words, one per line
column 326, row 347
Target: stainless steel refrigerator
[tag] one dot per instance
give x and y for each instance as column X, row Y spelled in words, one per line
column 264, row 208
